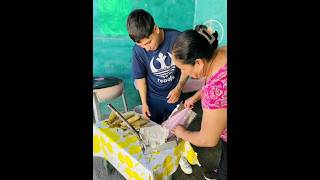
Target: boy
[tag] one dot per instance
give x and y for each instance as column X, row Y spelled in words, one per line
column 157, row 79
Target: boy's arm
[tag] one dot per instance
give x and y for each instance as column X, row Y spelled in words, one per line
column 142, row 88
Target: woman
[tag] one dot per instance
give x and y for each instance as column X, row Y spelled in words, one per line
column 195, row 52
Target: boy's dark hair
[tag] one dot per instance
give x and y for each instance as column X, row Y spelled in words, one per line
column 194, row 44
column 140, row 24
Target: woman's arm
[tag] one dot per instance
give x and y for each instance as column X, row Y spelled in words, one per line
column 214, row 121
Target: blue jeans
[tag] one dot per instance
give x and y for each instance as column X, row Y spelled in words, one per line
column 160, row 109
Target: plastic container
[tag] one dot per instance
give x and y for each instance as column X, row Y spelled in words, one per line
column 138, row 109
column 107, row 88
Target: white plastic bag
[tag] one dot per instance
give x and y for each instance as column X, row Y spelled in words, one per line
column 179, row 116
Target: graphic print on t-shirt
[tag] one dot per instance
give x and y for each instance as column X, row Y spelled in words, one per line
column 163, row 67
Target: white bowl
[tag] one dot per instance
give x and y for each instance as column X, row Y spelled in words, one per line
column 109, row 93
column 138, row 109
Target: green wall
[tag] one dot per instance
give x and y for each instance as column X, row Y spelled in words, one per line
column 214, row 13
column 112, row 46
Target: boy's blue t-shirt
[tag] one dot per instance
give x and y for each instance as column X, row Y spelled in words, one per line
column 157, row 66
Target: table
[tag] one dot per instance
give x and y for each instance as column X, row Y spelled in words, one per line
column 122, row 150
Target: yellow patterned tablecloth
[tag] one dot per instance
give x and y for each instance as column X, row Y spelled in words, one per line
column 122, row 150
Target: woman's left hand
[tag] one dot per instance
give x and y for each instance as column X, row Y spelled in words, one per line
column 178, row 131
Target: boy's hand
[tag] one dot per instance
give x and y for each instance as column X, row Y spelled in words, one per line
column 145, row 110
column 173, row 95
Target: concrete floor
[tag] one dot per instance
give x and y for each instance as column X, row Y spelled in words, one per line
column 107, row 172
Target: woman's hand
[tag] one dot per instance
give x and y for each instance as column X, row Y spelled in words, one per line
column 178, row 131
column 189, row 102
